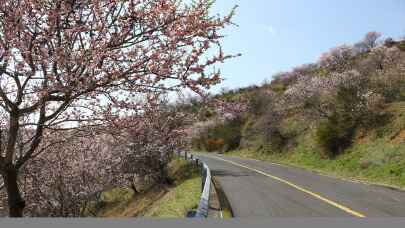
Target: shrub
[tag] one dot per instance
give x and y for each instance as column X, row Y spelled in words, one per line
column 335, row 134
column 277, row 140
column 272, row 129
column 215, row 145
column 259, row 101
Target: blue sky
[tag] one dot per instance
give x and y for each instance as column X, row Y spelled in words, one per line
column 276, row 35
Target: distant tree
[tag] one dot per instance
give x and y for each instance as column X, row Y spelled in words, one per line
column 371, row 38
column 369, row 42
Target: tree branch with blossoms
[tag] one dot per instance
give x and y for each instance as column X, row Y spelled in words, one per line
column 58, row 56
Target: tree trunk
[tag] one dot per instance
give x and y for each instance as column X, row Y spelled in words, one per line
column 134, row 188
column 164, row 176
column 16, row 204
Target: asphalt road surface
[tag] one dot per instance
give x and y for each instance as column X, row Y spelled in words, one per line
column 262, row 189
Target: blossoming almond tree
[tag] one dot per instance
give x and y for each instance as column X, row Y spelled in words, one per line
column 69, row 181
column 151, row 143
column 64, row 182
column 81, row 62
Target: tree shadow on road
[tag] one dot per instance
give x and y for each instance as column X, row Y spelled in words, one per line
column 225, row 173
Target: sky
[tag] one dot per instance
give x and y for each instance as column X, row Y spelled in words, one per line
column 277, row 35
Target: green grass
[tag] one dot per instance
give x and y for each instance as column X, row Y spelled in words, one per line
column 117, row 195
column 158, row 201
column 182, row 198
column 178, row 201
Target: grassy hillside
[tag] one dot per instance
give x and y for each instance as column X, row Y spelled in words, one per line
column 377, row 155
column 344, row 116
column 172, row 201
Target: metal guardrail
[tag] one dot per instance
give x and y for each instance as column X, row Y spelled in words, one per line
column 202, row 210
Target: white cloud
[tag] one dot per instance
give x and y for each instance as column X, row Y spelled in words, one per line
column 269, row 29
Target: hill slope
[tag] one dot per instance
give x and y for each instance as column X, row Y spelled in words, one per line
column 344, row 115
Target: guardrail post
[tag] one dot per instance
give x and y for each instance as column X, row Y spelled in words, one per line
column 204, row 178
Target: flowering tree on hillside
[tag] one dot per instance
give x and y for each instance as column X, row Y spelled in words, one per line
column 316, row 95
column 65, row 64
column 337, row 59
column 154, row 141
column 228, row 110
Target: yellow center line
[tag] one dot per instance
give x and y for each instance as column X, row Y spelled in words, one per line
column 328, row 201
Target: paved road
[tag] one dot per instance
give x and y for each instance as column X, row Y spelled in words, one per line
column 262, row 189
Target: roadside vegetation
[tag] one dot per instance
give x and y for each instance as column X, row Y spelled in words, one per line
column 343, row 115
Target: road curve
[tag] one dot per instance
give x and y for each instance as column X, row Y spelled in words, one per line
column 262, row 189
